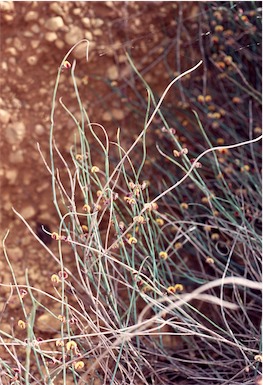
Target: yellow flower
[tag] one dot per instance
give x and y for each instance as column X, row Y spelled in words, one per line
column 210, row 260
column 21, row 324
column 220, row 141
column 95, row 169
column 236, row 100
column 146, row 288
column 59, row 343
column 86, row 208
column 184, row 206
column 200, row 98
column 171, row 289
column 178, row 245
column 78, row 365
column 55, row 236
column 132, row 241
column 220, row 65
column 178, row 287
column 208, row 98
column 130, row 200
column 215, row 236
column 219, row 28
column 139, row 219
column 151, row 206
column 55, row 278
column 71, row 345
column 228, row 60
column 62, row 318
column 163, row 255
column 216, row 115
column 159, row 221
column 258, row 130
column 258, row 358
column 245, row 168
column 176, row 153
column 85, row 228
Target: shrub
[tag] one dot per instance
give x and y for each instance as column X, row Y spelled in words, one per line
column 166, row 239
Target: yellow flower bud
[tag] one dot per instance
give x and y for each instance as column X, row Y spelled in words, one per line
column 163, row 255
column 78, row 365
column 21, row 324
column 55, row 278
column 71, row 345
column 132, row 241
column 95, row 169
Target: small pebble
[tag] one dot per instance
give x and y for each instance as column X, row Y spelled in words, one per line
column 4, row 116
column 28, row 212
column 54, row 23
column 31, row 15
column 113, row 72
column 15, row 132
column 50, row 36
column 74, row 35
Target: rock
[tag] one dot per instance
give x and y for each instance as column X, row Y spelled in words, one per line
column 77, row 11
column 118, row 114
column 11, row 51
column 16, row 157
column 35, row 43
column 106, row 116
column 11, row 175
column 97, row 32
column 51, row 36
column 7, row 6
column 17, row 103
column 15, row 253
column 15, row 132
column 8, row 18
column 28, row 212
column 88, row 35
column 56, row 8
column 32, row 60
column 109, row 4
column 86, row 22
column 4, row 66
column 97, row 23
column 59, row 44
column 35, row 28
column 17, row 43
column 48, row 323
column 4, row 116
column 112, row 72
column 39, row 129
column 6, row 327
column 74, row 35
column 80, row 51
column 28, row 34
column 54, row 23
column 31, row 15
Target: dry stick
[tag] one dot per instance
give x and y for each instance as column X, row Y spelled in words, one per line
column 151, row 118
column 138, row 328
column 184, row 298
